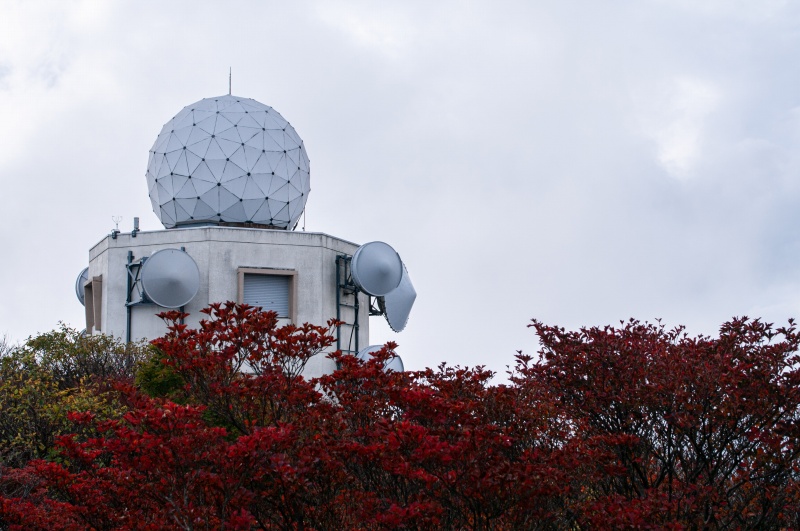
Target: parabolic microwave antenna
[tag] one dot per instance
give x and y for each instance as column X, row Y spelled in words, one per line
column 228, row 160
column 396, row 305
column 170, row 278
column 83, row 278
column 377, row 270
column 392, row 364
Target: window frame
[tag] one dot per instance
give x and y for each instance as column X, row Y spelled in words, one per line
column 291, row 273
column 93, row 304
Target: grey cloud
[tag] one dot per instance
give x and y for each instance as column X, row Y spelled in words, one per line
column 576, row 162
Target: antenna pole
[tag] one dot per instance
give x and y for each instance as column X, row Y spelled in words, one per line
column 229, row 80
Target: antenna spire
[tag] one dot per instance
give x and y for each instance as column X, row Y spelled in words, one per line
column 229, row 80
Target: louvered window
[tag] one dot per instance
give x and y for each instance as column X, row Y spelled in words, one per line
column 270, row 292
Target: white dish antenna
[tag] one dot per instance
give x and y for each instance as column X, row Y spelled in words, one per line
column 397, row 303
column 170, row 278
column 81, row 281
column 392, row 364
column 376, row 268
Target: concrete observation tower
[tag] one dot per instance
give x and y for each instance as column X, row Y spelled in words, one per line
column 229, row 177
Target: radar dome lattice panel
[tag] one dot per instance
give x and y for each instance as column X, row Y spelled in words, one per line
column 228, row 159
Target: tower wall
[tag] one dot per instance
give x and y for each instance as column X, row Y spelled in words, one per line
column 223, row 255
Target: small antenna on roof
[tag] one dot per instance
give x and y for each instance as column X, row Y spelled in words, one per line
column 115, row 231
column 229, row 80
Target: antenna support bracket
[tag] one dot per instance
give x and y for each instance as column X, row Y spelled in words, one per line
column 136, row 294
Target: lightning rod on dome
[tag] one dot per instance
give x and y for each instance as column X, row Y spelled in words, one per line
column 229, row 80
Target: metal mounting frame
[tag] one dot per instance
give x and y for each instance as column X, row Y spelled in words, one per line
column 134, row 271
column 134, row 282
column 346, row 288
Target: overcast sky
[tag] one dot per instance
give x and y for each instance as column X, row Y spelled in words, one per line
column 575, row 162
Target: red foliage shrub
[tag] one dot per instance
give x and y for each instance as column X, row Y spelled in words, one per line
column 630, row 427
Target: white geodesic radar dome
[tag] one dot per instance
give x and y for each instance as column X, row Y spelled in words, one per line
column 228, row 160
